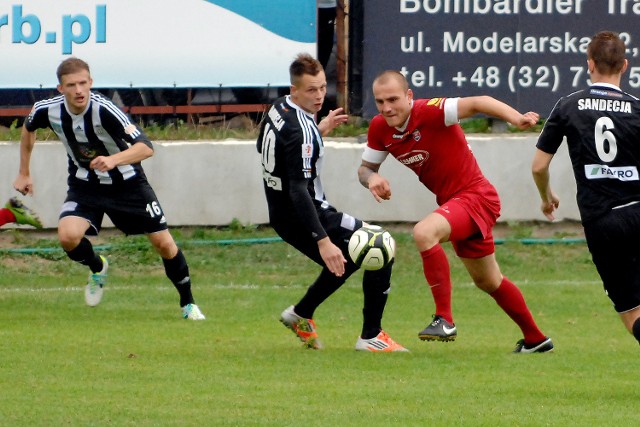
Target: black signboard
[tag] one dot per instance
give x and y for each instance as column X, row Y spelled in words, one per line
column 527, row 53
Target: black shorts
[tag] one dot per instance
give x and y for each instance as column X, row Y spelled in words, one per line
column 614, row 243
column 339, row 227
column 132, row 206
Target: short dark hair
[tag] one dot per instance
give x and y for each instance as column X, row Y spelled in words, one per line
column 387, row 75
column 607, row 50
column 304, row 64
column 70, row 66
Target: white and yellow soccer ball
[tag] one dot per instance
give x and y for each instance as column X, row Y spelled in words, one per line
column 371, row 247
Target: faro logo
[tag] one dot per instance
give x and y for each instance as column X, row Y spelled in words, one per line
column 74, row 29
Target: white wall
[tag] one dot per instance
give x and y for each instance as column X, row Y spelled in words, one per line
column 212, row 183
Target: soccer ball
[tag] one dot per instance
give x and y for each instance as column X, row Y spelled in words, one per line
column 371, row 247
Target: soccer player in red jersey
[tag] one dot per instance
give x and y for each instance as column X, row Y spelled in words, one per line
column 424, row 135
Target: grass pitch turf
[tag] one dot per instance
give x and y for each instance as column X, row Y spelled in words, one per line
column 132, row 361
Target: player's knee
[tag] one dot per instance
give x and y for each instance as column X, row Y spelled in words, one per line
column 68, row 239
column 166, row 248
column 485, row 285
column 486, row 282
column 425, row 236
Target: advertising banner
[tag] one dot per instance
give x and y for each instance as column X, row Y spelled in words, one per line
column 527, row 53
column 156, row 43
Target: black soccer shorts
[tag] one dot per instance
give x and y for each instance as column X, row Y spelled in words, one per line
column 613, row 241
column 339, row 227
column 133, row 207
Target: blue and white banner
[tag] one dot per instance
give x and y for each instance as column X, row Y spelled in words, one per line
column 156, row 43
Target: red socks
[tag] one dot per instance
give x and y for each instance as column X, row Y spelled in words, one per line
column 436, row 270
column 508, row 296
column 510, row 299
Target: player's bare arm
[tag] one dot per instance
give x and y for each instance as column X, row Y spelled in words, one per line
column 472, row 105
column 134, row 154
column 540, row 172
column 23, row 182
column 365, row 171
column 334, row 119
column 370, row 178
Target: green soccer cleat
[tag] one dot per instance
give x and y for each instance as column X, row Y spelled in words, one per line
column 23, row 214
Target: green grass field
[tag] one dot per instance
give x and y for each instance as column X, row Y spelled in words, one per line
column 132, row 361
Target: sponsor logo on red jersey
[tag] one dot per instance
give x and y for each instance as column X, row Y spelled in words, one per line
column 415, row 134
column 414, row 159
column 400, row 135
column 438, row 102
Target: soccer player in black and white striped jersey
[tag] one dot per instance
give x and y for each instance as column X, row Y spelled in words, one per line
column 105, row 150
column 292, row 152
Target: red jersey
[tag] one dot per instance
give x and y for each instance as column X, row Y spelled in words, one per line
column 437, row 152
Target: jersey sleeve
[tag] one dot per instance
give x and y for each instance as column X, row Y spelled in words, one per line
column 119, row 126
column 374, row 156
column 38, row 118
column 303, row 204
column 435, row 113
column 552, row 133
column 451, row 111
column 375, row 151
column 375, row 134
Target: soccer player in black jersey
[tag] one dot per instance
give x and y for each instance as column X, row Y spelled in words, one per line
column 292, row 150
column 104, row 150
column 602, row 128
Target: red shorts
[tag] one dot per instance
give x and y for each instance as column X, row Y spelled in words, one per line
column 472, row 216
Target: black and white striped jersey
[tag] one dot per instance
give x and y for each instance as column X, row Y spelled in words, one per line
column 602, row 128
column 101, row 130
column 292, row 149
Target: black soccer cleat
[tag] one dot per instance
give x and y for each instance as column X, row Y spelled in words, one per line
column 541, row 347
column 439, row 330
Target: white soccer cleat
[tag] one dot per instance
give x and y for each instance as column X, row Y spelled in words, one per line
column 379, row 344
column 95, row 286
column 192, row 312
